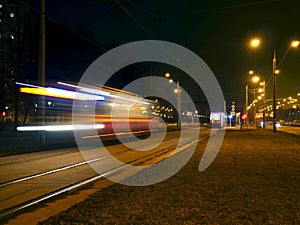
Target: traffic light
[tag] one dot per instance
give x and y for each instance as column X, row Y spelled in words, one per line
column 244, row 116
column 4, row 114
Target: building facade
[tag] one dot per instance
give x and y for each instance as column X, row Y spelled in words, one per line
column 14, row 21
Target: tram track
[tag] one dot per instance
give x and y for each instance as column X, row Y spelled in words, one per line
column 21, row 205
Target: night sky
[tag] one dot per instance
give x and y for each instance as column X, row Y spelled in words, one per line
column 217, row 31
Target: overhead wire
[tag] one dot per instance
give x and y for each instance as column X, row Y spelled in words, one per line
column 143, row 9
column 134, row 19
column 63, row 25
column 70, row 29
column 246, row 4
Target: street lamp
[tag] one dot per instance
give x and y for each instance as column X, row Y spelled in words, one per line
column 255, row 42
column 264, row 102
column 294, row 44
column 275, row 72
column 177, row 91
column 261, row 90
column 255, row 79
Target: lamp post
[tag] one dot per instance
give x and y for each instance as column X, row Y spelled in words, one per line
column 246, row 108
column 294, row 44
column 275, row 71
column 177, row 91
column 41, row 72
column 264, row 103
column 254, row 43
column 261, row 90
column 254, row 79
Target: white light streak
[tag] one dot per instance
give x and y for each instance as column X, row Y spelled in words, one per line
column 61, row 127
column 95, row 91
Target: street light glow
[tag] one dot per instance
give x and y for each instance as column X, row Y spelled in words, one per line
column 177, row 92
column 295, row 44
column 255, row 42
column 255, row 79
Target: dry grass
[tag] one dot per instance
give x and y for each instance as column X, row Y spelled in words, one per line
column 253, row 180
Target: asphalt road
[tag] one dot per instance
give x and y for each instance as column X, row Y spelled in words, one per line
column 29, row 177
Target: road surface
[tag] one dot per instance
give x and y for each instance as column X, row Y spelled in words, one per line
column 30, row 178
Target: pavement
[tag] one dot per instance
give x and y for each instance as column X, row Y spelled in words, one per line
column 288, row 129
column 17, row 142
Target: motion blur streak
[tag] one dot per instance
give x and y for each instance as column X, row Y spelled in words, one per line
column 105, row 93
column 60, row 93
column 116, row 134
column 116, row 113
column 60, row 127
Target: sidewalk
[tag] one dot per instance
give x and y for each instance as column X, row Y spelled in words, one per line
column 254, row 179
column 17, row 142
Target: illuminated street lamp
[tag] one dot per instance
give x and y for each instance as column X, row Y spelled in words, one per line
column 294, row 44
column 255, row 42
column 177, row 91
column 262, row 96
column 255, row 79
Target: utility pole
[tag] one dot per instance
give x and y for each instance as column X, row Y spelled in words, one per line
column 246, row 109
column 42, row 59
column 254, row 110
column 264, row 104
column 178, row 105
column 274, row 92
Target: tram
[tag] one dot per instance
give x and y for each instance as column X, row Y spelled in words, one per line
column 114, row 112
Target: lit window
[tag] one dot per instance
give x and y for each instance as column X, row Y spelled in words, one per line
column 12, row 15
column 12, row 36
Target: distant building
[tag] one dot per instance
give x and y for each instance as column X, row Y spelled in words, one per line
column 13, row 42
